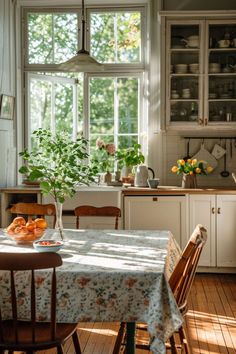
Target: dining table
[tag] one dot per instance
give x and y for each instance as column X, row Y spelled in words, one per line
column 106, row 276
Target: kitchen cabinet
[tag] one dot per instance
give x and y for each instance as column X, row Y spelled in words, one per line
column 218, row 214
column 199, row 63
column 156, row 212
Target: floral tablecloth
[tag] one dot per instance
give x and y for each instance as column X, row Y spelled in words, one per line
column 107, row 276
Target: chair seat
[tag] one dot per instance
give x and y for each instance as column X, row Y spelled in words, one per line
column 42, row 334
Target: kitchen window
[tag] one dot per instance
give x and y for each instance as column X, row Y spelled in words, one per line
column 109, row 104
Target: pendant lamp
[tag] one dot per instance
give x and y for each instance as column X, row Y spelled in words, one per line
column 82, row 61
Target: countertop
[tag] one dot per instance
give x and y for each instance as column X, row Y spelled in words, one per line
column 174, row 190
column 161, row 190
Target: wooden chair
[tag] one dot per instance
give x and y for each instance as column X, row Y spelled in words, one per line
column 88, row 210
column 34, row 209
column 180, row 282
column 30, row 336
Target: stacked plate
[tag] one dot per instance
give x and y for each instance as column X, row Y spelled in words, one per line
column 181, row 68
column 212, row 95
column 214, row 68
column 194, row 68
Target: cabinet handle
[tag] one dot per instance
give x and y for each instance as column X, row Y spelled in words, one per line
column 213, row 210
column 205, row 121
column 155, row 199
column 218, row 211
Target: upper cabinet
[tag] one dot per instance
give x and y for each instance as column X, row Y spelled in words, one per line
column 199, row 72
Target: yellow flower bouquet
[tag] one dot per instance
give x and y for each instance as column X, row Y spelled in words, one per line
column 191, row 167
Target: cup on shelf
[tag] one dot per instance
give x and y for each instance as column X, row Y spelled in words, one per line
column 214, row 68
column 224, row 43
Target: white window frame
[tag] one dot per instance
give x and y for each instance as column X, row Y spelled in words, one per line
column 115, row 70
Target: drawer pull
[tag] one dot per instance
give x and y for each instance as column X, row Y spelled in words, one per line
column 218, row 211
column 155, row 199
column 213, row 210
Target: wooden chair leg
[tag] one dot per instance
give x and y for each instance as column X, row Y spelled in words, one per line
column 76, row 343
column 184, row 340
column 60, row 349
column 172, row 345
column 119, row 338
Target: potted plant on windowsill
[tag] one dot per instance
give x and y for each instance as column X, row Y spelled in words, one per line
column 128, row 158
column 59, row 164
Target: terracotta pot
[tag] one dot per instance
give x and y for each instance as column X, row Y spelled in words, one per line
column 189, row 181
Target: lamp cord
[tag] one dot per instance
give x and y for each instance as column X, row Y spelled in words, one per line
column 82, row 50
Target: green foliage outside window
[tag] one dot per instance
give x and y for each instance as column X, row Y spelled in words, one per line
column 113, row 102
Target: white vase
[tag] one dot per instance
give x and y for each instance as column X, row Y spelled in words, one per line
column 59, row 225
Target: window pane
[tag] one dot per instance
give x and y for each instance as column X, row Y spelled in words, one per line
column 127, row 141
column 40, row 104
column 116, row 37
column 114, row 112
column 52, row 37
column 64, row 108
column 128, row 93
column 101, row 105
column 51, row 105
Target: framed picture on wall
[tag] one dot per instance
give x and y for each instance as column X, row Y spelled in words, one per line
column 7, row 107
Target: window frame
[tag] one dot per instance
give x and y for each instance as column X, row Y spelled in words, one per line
column 116, row 70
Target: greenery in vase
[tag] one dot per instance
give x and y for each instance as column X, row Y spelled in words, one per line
column 131, row 156
column 58, row 163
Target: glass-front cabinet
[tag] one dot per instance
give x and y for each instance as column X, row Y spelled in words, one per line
column 200, row 72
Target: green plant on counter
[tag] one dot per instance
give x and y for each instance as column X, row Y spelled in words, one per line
column 58, row 163
column 130, row 157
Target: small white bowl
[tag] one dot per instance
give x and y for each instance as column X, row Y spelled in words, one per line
column 48, row 245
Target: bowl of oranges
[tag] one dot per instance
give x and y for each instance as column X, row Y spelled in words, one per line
column 26, row 231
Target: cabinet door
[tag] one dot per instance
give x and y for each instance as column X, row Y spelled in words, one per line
column 220, row 93
column 184, row 73
column 156, row 212
column 226, row 231
column 202, row 210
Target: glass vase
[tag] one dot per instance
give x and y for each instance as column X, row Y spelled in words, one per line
column 189, row 181
column 59, row 224
column 108, row 177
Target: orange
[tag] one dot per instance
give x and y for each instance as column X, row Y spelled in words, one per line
column 41, row 223
column 11, row 228
column 19, row 220
column 31, row 225
column 21, row 230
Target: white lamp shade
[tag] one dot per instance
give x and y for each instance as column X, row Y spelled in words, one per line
column 81, row 62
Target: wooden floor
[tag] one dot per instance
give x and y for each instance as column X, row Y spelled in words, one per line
column 211, row 321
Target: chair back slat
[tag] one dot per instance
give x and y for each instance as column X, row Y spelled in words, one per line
column 106, row 211
column 15, row 262
column 34, row 209
column 14, row 304
column 184, row 272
